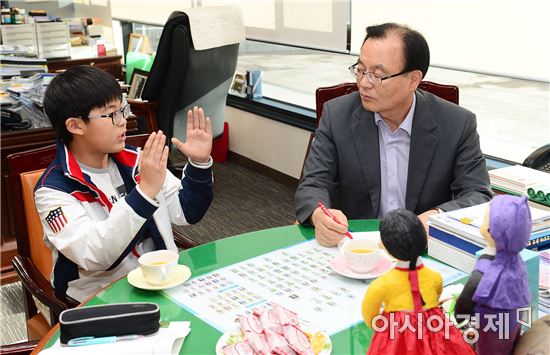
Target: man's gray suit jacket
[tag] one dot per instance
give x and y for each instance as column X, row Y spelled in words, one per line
column 446, row 167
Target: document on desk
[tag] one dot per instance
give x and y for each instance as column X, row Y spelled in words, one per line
column 298, row 278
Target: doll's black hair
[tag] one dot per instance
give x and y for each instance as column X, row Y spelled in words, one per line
column 403, row 235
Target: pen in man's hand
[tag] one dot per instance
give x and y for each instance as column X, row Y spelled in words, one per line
column 327, row 212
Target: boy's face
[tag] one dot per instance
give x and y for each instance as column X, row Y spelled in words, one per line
column 100, row 134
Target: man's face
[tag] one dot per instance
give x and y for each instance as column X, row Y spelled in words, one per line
column 100, row 133
column 384, row 56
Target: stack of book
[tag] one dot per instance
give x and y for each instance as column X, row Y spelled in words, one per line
column 15, row 66
column 455, row 236
column 520, row 180
column 17, row 50
column 544, row 282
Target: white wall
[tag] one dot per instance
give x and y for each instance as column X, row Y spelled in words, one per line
column 146, row 11
column 506, row 37
column 277, row 145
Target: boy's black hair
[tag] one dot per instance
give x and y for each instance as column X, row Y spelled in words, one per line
column 76, row 92
column 403, row 235
column 416, row 52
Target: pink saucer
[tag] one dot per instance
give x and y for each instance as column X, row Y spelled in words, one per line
column 339, row 265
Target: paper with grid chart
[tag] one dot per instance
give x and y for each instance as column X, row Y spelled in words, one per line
column 297, row 277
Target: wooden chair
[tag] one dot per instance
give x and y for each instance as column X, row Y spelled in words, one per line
column 447, row 92
column 33, row 264
column 23, row 348
column 34, row 271
column 324, row 94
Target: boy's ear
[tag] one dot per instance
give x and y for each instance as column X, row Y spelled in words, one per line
column 75, row 125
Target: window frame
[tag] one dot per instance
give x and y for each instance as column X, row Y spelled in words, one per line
column 289, row 113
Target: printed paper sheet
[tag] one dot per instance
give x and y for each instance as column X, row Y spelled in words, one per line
column 298, row 277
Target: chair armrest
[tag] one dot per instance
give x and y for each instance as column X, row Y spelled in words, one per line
column 39, row 287
column 182, row 241
column 23, row 348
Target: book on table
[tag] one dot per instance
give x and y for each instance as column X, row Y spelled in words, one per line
column 460, row 228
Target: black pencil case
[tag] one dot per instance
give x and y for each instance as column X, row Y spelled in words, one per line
column 109, row 320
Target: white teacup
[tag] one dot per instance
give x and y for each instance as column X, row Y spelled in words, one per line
column 361, row 253
column 158, row 267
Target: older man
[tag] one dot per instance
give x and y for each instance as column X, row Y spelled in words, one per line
column 390, row 145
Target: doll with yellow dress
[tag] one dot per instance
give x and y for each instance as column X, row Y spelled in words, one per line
column 409, row 294
column 498, row 287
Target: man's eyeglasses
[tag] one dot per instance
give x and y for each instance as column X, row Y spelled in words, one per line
column 116, row 117
column 373, row 78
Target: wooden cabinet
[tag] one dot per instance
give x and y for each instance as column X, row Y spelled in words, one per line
column 111, row 64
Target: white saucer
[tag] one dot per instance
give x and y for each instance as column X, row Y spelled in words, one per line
column 339, row 265
column 136, row 279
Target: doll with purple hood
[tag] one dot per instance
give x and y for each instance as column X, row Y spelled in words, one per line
column 498, row 285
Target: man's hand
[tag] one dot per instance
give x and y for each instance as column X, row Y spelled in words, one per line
column 424, row 219
column 327, row 232
column 198, row 142
column 152, row 164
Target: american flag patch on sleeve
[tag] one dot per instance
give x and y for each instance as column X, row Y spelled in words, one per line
column 56, row 220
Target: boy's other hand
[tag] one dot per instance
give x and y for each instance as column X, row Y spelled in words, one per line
column 198, row 142
column 152, row 164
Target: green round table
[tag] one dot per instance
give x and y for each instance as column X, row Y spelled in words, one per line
column 212, row 256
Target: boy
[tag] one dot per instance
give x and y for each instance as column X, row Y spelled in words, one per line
column 102, row 204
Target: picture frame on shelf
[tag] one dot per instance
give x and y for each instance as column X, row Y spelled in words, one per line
column 238, row 85
column 137, row 83
column 139, row 43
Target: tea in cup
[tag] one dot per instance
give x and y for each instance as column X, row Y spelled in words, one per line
column 361, row 254
column 158, row 267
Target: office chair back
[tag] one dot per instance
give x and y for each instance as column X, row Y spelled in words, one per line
column 183, row 76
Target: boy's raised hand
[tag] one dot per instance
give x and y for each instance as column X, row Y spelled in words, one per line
column 198, row 142
column 152, row 164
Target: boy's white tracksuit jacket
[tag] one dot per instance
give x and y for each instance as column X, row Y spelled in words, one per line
column 95, row 242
